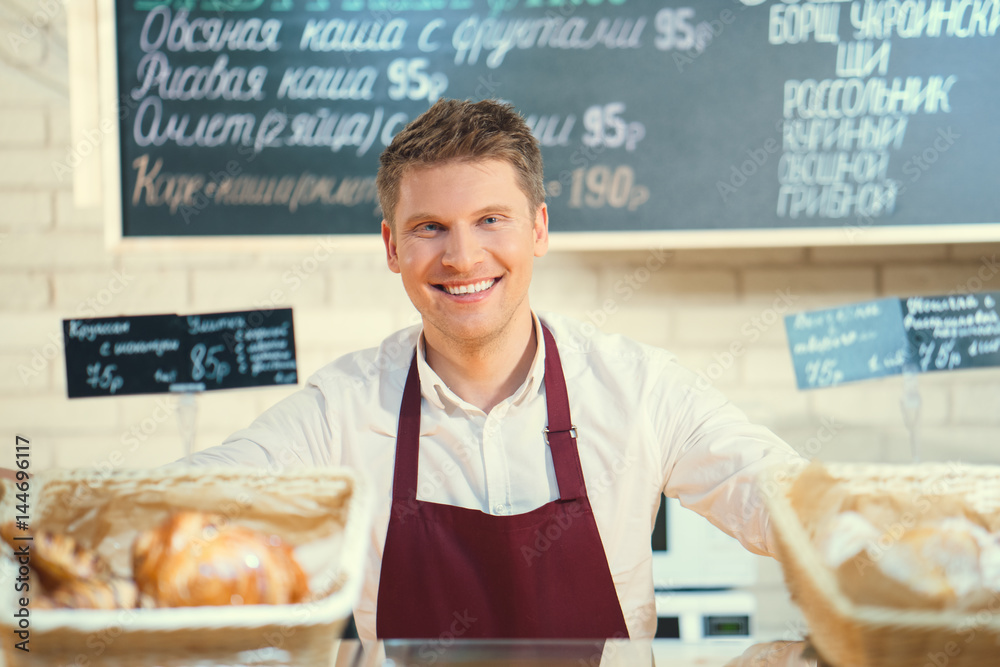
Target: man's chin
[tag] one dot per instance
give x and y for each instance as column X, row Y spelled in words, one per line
column 467, row 333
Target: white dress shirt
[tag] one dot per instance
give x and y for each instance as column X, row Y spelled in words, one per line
column 643, row 428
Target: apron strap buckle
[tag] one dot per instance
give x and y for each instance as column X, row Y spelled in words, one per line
column 571, row 430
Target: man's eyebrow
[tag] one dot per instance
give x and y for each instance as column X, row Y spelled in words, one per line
column 419, row 217
column 492, row 208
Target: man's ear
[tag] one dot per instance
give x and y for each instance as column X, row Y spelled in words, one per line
column 391, row 258
column 541, row 230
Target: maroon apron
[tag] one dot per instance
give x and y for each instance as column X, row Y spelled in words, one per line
column 542, row 574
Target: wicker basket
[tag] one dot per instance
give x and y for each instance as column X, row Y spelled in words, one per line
column 851, row 635
column 323, row 512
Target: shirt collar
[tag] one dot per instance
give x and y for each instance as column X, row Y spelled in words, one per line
column 433, row 388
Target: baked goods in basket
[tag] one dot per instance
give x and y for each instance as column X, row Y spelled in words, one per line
column 894, row 498
column 192, row 559
column 322, row 512
column 58, row 559
column 71, row 576
column 901, row 549
column 106, row 592
column 196, row 559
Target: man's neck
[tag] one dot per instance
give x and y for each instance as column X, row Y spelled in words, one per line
column 485, row 374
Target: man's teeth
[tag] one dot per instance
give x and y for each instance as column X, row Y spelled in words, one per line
column 470, row 289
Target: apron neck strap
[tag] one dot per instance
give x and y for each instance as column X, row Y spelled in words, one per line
column 560, row 434
column 404, row 475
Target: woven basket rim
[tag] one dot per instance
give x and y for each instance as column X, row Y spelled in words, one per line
column 326, row 610
column 801, row 549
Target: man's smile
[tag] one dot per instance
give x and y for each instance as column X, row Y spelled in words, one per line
column 456, row 289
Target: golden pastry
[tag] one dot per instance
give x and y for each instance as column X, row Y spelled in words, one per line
column 58, row 559
column 109, row 593
column 196, row 559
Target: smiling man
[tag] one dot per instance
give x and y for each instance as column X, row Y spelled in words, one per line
column 463, row 237
column 518, row 461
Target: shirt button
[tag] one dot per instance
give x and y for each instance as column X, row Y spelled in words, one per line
column 500, row 509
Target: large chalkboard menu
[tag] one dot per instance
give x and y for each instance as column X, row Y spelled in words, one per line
column 263, row 117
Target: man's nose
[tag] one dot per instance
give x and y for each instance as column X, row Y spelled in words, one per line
column 463, row 249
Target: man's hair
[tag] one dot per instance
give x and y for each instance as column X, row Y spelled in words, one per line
column 461, row 130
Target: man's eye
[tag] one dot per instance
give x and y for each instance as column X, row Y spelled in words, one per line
column 491, row 219
column 429, row 227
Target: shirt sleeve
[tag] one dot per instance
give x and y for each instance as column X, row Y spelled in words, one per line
column 714, row 458
column 296, row 432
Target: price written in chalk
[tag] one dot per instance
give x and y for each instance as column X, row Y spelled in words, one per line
column 600, row 186
column 104, row 378
column 823, row 373
column 205, row 365
column 410, row 80
column 946, row 358
column 606, row 128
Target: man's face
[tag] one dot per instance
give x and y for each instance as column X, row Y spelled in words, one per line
column 464, row 242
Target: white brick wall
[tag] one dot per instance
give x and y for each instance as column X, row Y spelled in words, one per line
column 866, row 255
column 22, row 127
column 941, row 278
column 25, row 291
column 31, row 167
column 71, row 218
column 824, row 284
column 26, row 210
column 696, row 303
column 120, row 291
column 18, row 377
column 53, row 251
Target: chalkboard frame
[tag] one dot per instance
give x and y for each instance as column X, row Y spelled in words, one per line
column 117, row 241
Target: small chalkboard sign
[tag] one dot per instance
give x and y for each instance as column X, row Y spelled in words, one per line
column 953, row 332
column 877, row 338
column 149, row 354
column 845, row 344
